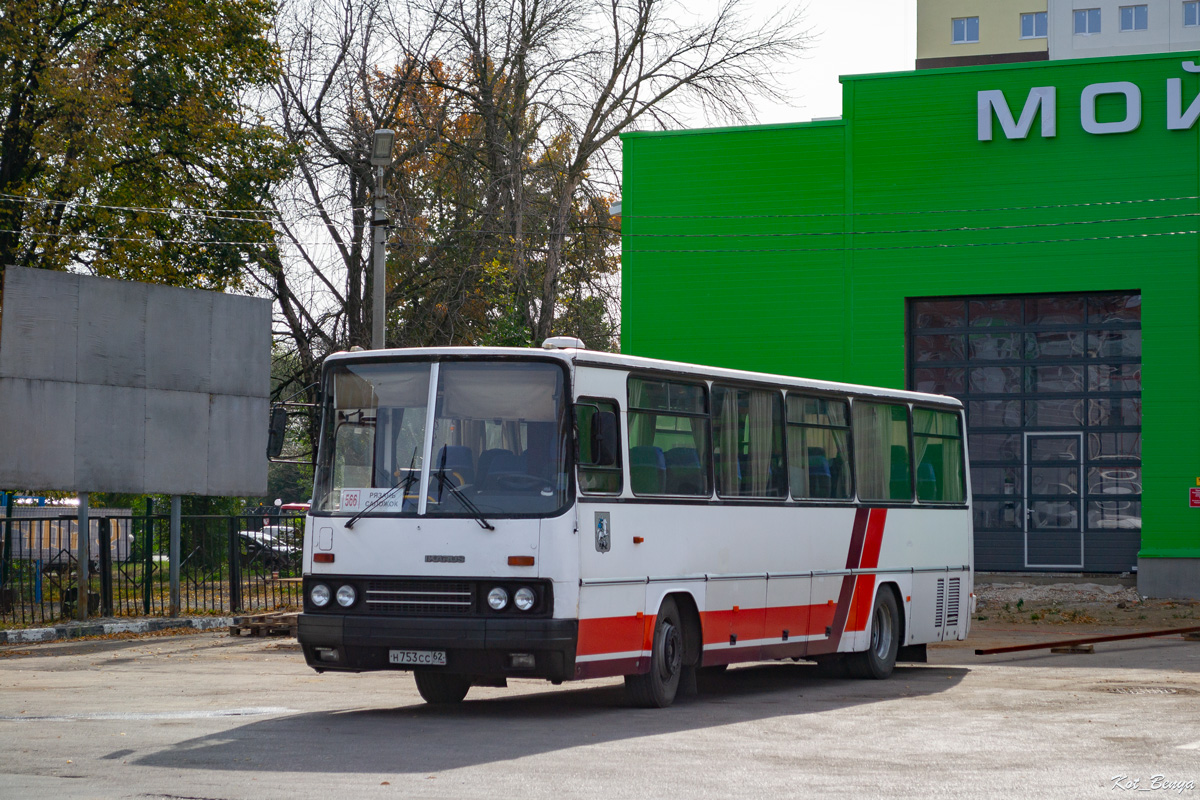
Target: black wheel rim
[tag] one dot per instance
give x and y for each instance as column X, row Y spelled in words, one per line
column 672, row 652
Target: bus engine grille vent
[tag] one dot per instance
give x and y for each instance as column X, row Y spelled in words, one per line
column 940, row 608
column 412, row 598
column 953, row 602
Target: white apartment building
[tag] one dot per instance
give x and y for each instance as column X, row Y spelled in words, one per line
column 953, row 33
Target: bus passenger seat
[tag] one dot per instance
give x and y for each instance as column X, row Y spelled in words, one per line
column 455, row 460
column 683, row 471
column 927, row 481
column 486, row 466
column 899, row 486
column 647, row 469
column 838, row 478
column 820, row 481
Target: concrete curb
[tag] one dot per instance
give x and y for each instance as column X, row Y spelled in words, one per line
column 74, row 630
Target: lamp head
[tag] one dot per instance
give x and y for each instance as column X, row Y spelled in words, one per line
column 381, row 147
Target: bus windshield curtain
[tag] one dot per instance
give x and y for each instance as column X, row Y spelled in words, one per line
column 747, row 421
column 763, row 421
column 641, row 423
column 872, row 456
column 727, row 440
column 939, row 428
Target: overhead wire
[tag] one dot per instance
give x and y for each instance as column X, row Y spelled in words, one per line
column 212, row 214
column 856, row 248
column 201, row 211
column 935, row 246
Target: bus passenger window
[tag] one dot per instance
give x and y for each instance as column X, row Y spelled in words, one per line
column 937, row 440
column 818, row 441
column 748, row 442
column 881, row 457
column 668, row 438
column 595, row 478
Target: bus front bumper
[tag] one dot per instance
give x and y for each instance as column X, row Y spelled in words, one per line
column 481, row 648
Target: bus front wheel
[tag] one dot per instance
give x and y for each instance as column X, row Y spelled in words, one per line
column 880, row 657
column 440, row 688
column 657, row 688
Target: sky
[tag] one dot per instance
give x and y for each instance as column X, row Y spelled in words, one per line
column 850, row 37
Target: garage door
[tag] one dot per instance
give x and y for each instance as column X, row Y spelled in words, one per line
column 1052, row 386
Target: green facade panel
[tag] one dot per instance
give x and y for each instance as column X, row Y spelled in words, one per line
column 794, row 249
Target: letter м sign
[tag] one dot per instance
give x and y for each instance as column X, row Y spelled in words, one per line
column 992, row 105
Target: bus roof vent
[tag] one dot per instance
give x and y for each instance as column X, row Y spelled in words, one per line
column 563, row 343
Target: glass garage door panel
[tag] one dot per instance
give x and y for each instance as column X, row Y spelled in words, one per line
column 1052, row 389
column 1054, row 520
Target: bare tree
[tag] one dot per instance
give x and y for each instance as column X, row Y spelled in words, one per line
column 555, row 82
column 507, row 120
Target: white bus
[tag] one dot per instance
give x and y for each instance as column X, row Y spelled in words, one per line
column 486, row 513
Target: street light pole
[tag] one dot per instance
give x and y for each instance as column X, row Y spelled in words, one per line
column 381, row 157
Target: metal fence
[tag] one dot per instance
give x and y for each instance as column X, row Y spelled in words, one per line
column 228, row 565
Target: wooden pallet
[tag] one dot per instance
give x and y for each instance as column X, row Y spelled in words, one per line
column 275, row 624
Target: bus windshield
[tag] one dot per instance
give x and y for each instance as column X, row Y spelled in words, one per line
column 497, row 439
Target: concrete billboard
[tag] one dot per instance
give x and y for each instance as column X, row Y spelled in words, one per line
column 115, row 386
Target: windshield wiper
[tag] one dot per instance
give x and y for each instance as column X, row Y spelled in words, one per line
column 446, row 483
column 405, row 484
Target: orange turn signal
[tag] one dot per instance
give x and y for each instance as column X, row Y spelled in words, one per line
column 520, row 561
column 323, row 558
column 638, row 540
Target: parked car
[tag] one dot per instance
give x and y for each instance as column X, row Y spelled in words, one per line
column 276, row 547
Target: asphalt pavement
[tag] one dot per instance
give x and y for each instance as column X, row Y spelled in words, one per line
column 213, row 716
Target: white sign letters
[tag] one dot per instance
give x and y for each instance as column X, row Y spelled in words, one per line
column 1042, row 97
column 992, row 105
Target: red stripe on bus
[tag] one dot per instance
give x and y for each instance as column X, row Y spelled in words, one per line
column 853, row 559
column 631, row 634
column 864, row 585
column 860, row 608
column 611, row 635
column 600, row 636
column 874, row 541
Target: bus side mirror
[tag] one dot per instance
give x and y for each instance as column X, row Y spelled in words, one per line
column 277, row 431
column 604, row 439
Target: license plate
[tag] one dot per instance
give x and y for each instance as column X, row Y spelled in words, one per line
column 418, row 658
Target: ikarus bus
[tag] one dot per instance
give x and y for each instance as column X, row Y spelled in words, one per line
column 485, row 513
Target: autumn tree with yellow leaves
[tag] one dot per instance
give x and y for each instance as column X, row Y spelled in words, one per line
column 131, row 142
column 506, row 158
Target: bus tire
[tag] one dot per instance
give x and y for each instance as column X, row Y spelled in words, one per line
column 879, row 659
column 440, row 688
column 657, row 688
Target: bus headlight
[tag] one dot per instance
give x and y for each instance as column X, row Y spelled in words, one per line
column 319, row 595
column 524, row 599
column 498, row 599
column 346, row 596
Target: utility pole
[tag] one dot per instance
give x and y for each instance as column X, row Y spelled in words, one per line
column 82, row 557
column 381, row 158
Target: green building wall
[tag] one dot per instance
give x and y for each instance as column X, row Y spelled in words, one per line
column 793, row 248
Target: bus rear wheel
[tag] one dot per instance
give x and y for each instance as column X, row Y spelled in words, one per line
column 657, row 688
column 440, row 688
column 880, row 657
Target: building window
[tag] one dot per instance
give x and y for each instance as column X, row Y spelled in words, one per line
column 1191, row 14
column 1033, row 26
column 1087, row 21
column 1134, row 18
column 965, row 30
